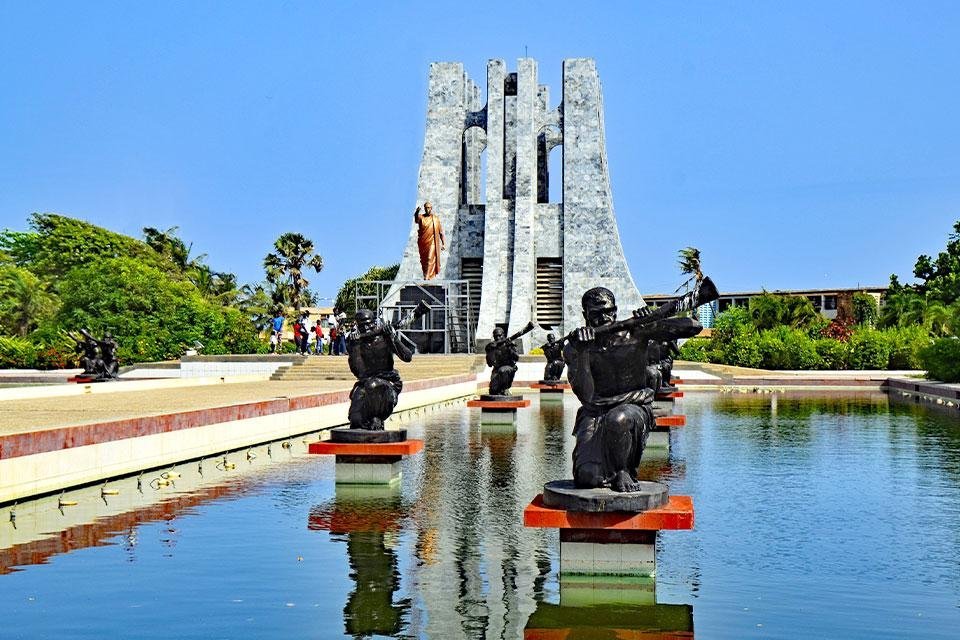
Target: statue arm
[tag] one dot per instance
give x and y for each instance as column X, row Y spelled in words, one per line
column 491, row 350
column 578, row 372
column 443, row 238
column 402, row 350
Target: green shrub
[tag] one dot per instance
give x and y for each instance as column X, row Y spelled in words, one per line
column 906, row 343
column 785, row 348
column 696, row 350
column 869, row 349
column 17, row 353
column 833, row 354
column 942, row 360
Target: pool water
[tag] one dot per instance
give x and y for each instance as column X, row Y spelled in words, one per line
column 817, row 516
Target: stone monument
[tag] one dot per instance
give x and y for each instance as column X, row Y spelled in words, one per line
column 526, row 258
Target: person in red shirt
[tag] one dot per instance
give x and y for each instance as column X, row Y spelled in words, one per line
column 334, row 344
column 318, row 344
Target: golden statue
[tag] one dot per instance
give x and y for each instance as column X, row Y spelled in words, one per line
column 430, row 240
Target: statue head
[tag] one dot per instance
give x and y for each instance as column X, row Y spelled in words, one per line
column 499, row 333
column 599, row 307
column 365, row 320
column 551, row 338
column 427, row 208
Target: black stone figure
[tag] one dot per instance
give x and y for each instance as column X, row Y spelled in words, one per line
column 502, row 356
column 108, row 357
column 553, row 352
column 607, row 361
column 654, row 374
column 99, row 359
column 668, row 350
column 371, row 347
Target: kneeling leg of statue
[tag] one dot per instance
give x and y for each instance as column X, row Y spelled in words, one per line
column 609, row 446
column 502, row 379
column 654, row 377
column 553, row 370
column 371, row 402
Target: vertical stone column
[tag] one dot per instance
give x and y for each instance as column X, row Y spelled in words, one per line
column 543, row 150
column 592, row 254
column 523, row 289
column 440, row 167
column 495, row 273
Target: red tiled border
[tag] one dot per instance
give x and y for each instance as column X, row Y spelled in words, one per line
column 676, row 514
column 42, row 441
column 550, row 387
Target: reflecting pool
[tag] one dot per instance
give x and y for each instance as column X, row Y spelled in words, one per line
column 816, row 516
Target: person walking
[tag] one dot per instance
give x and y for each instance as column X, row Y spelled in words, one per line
column 278, row 332
column 318, row 333
column 334, row 341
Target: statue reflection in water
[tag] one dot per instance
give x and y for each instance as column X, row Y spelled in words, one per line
column 369, row 519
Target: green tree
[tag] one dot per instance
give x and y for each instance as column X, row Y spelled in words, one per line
column 285, row 267
column 864, row 309
column 25, row 302
column 58, row 244
column 347, row 296
column 153, row 315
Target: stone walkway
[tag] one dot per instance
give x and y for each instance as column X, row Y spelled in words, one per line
column 35, row 414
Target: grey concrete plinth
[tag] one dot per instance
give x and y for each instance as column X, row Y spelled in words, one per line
column 552, row 397
column 367, row 469
column 593, row 590
column 368, row 436
column 603, row 552
column 657, row 440
column 502, row 417
column 366, row 492
column 563, row 494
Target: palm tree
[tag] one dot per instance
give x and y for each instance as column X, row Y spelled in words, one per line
column 285, row 267
column 690, row 264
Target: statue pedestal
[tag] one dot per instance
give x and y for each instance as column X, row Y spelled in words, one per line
column 659, row 438
column 668, row 395
column 498, row 409
column 608, row 541
column 551, row 391
column 366, row 456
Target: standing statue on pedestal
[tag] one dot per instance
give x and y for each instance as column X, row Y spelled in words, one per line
column 607, row 361
column 553, row 352
column 502, row 356
column 371, row 347
column 430, row 240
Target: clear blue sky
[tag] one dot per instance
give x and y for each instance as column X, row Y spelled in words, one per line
column 797, row 144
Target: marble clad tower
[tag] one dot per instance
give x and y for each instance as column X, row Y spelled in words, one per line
column 533, row 258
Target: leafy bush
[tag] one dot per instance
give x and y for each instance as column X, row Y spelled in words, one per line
column 735, row 339
column 696, row 350
column 906, row 343
column 838, row 329
column 17, row 353
column 785, row 348
column 942, row 360
column 869, row 349
column 833, row 353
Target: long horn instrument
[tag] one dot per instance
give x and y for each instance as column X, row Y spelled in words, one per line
column 704, row 293
column 519, row 334
column 421, row 310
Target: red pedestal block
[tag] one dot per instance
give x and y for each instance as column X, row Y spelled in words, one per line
column 498, row 404
column 677, row 514
column 550, row 388
column 390, row 449
column 665, row 422
column 669, row 396
column 675, row 381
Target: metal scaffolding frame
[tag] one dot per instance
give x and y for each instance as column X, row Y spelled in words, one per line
column 452, row 313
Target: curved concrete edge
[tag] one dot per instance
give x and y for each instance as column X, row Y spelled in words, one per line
column 67, row 390
column 49, row 471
